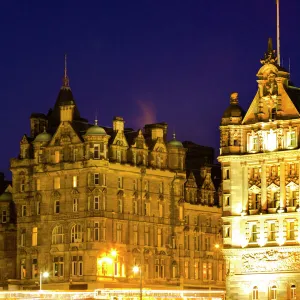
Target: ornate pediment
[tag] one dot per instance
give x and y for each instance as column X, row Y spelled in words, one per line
column 74, row 192
column 273, row 187
column 292, row 185
column 55, row 194
column 254, row 189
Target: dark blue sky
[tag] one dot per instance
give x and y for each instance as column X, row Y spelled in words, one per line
column 178, row 59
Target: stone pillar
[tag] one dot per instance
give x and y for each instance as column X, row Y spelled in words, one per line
column 263, row 186
column 282, row 185
column 245, row 187
column 298, row 173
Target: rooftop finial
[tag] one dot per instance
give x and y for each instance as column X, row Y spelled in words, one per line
column 234, row 98
column 174, row 135
column 270, row 56
column 96, row 119
column 66, row 78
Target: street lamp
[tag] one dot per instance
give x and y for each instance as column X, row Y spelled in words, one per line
column 135, row 270
column 45, row 275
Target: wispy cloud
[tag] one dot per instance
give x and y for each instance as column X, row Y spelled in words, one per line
column 146, row 114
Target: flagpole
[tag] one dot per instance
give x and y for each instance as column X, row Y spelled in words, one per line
column 278, row 34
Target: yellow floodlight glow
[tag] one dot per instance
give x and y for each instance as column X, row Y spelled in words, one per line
column 113, row 252
column 135, row 269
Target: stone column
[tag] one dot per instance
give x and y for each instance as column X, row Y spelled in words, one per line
column 263, row 186
column 298, row 173
column 245, row 187
column 282, row 185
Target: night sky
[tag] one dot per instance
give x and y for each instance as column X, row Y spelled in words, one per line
column 147, row 61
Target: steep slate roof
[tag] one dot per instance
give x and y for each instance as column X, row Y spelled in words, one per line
column 294, row 94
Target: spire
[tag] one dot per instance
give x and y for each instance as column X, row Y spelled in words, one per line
column 174, row 136
column 278, row 32
column 96, row 120
column 270, row 56
column 66, row 78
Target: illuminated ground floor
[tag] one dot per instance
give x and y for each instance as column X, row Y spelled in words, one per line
column 107, row 294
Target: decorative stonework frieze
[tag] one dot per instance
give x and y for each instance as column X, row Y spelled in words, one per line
column 271, row 261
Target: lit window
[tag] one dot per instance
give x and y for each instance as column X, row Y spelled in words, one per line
column 272, row 232
column 273, row 293
column 75, row 181
column 34, row 236
column 38, row 184
column 204, row 271
column 186, row 269
column 57, row 183
column 56, row 156
column 291, row 139
column 253, row 143
column 196, row 270
column 118, row 156
column 271, row 142
column 293, row 292
column 255, row 293
column 161, row 187
column 134, row 184
column 159, row 237
column 160, row 210
column 253, row 233
column 290, row 230
column 57, row 235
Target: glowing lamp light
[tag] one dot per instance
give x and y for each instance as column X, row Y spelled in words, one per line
column 113, row 253
column 45, row 274
column 217, row 246
column 135, row 269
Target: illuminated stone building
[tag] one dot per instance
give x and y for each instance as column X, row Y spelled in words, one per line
column 93, row 202
column 260, row 166
column 8, row 233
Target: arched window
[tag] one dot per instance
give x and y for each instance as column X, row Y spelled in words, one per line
column 57, row 235
column 255, row 293
column 293, row 292
column 273, row 292
column 76, row 234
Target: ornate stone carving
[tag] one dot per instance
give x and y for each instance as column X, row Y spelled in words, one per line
column 271, row 261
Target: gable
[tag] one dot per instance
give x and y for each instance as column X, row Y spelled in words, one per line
column 65, row 134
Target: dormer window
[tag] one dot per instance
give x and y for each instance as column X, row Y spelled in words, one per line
column 271, row 142
column 253, row 143
column 291, row 139
column 96, row 151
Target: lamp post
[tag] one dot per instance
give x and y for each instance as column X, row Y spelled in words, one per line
column 135, row 270
column 45, row 275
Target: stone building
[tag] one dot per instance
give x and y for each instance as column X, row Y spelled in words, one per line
column 260, row 166
column 8, row 233
column 93, row 202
